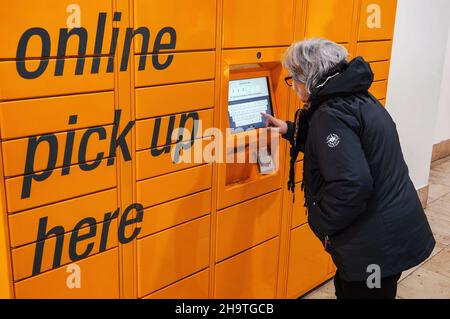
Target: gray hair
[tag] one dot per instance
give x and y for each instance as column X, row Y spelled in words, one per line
column 310, row 60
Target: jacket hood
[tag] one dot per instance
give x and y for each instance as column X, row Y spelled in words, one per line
column 354, row 77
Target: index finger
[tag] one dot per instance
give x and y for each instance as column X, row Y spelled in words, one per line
column 267, row 116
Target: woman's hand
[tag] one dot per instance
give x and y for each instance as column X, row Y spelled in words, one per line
column 273, row 122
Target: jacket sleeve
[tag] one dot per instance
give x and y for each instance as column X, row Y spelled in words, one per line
column 290, row 132
column 348, row 183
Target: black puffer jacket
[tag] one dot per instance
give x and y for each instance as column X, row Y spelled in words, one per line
column 361, row 201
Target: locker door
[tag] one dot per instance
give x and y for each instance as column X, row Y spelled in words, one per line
column 377, row 20
column 331, row 19
column 256, row 23
column 308, row 262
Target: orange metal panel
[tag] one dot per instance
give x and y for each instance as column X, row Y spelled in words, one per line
column 250, row 275
column 242, row 181
column 257, row 23
column 377, row 20
column 173, row 254
column 23, row 257
column 245, row 225
column 99, row 279
column 148, row 166
column 194, row 22
column 173, row 99
column 383, row 102
column 299, row 20
column 18, row 16
column 165, row 188
column 349, row 48
column 57, row 187
column 6, row 275
column 194, row 287
column 380, row 70
column 374, row 51
column 379, row 89
column 180, row 70
column 48, row 115
column 13, row 86
column 15, row 152
column 237, row 193
column 176, row 212
column 299, row 216
column 249, row 56
column 146, row 130
column 329, row 19
column 308, row 262
column 24, row 225
column 124, row 94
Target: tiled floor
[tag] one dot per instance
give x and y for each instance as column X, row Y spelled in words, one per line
column 430, row 280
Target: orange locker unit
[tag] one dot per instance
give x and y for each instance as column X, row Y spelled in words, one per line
column 249, row 202
column 96, row 97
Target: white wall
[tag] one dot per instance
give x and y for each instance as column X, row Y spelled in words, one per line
column 418, row 55
column 442, row 131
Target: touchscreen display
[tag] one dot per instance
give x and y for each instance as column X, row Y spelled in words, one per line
column 247, row 98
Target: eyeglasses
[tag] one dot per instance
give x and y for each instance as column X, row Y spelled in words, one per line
column 289, row 80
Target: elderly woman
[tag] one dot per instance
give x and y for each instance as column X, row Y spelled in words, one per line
column 361, row 201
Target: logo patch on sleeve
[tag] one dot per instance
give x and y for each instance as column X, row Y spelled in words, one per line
column 333, row 140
